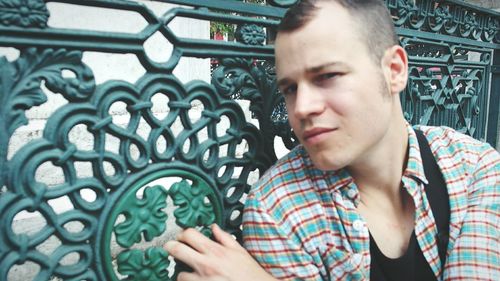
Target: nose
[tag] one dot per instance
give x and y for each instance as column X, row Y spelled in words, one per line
column 308, row 102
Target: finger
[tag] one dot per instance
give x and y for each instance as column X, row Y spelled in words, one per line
column 183, row 253
column 197, row 241
column 224, row 238
column 187, row 276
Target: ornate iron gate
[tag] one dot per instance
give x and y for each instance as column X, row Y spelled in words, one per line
column 116, row 205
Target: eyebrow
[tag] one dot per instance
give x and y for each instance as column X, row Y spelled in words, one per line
column 318, row 68
column 313, row 69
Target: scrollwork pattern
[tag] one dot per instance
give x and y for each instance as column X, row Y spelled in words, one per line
column 20, row 87
column 256, row 82
column 446, row 18
column 145, row 216
column 21, row 80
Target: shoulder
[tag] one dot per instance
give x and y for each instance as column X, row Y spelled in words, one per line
column 449, row 143
column 461, row 155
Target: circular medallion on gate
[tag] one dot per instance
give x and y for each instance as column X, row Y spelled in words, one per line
column 147, row 215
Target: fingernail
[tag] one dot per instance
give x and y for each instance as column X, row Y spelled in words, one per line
column 167, row 246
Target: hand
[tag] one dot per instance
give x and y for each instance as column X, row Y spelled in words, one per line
column 223, row 260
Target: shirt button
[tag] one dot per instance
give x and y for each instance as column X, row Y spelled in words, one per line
column 358, row 225
column 351, row 193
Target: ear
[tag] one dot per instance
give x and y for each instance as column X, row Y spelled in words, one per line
column 395, row 65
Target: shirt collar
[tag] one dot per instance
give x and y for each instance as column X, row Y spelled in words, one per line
column 332, row 180
column 414, row 166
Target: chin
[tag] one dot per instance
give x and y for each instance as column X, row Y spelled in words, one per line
column 329, row 158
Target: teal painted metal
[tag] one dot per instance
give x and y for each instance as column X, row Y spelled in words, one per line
column 494, row 116
column 453, row 49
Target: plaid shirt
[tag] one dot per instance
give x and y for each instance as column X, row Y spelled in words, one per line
column 301, row 223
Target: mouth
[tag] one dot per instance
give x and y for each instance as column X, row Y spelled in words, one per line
column 316, row 134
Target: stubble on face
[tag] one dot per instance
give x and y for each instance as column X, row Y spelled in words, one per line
column 357, row 105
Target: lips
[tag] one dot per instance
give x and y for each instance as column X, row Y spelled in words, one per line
column 316, row 133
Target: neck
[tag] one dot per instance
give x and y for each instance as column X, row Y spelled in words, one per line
column 381, row 170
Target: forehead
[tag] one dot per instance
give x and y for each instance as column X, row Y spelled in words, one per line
column 331, row 35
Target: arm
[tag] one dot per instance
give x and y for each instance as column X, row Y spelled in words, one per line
column 224, row 259
column 476, row 252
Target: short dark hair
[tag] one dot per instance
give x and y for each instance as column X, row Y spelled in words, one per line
column 373, row 19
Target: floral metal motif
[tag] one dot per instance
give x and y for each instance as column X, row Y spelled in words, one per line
column 150, row 265
column 23, row 13
column 143, row 217
column 197, row 207
column 250, row 34
column 194, row 207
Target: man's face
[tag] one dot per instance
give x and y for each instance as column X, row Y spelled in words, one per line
column 337, row 97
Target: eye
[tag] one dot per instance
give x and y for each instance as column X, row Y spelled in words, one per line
column 326, row 76
column 288, row 90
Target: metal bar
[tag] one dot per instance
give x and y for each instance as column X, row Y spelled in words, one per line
column 493, row 130
column 72, row 39
column 445, row 38
column 232, row 6
column 207, row 15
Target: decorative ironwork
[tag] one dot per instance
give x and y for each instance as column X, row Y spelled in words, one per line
column 255, row 81
column 210, row 158
column 251, row 34
column 193, row 209
column 150, row 265
column 448, row 85
column 142, row 216
column 446, row 17
column 23, row 13
column 146, row 217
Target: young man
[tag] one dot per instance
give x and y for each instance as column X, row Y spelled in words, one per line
column 349, row 203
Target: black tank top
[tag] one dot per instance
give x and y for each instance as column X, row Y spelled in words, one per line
column 413, row 266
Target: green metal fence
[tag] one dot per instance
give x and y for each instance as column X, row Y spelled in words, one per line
column 206, row 147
